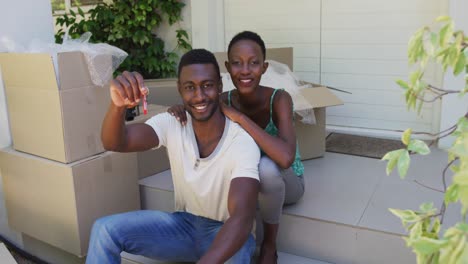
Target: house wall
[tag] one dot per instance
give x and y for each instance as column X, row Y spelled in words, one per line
column 207, row 18
column 20, row 21
column 354, row 45
column 364, row 51
column 452, row 106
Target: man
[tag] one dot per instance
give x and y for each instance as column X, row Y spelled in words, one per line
column 214, row 165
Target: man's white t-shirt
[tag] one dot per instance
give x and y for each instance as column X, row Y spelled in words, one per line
column 201, row 185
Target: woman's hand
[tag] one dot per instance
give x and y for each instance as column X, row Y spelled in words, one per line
column 231, row 112
column 179, row 112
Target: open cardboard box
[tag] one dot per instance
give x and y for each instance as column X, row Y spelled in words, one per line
column 58, row 203
column 61, row 121
column 311, row 138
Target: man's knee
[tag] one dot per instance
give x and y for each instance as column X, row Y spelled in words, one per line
column 103, row 226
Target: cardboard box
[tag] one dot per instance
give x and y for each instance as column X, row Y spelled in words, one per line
column 311, row 138
column 58, row 203
column 62, row 121
column 163, row 92
column 152, row 161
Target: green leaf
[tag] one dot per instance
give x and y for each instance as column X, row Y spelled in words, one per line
column 403, row 163
column 443, row 19
column 460, row 147
column 405, row 138
column 451, row 195
column 426, row 207
column 426, row 246
column 463, row 198
column 462, row 124
column 405, row 215
column 460, row 65
column 419, row 147
column 403, row 84
column 80, row 11
column 392, row 158
column 436, row 226
column 461, row 178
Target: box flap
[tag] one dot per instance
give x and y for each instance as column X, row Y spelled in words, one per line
column 321, row 97
column 28, row 71
column 283, row 55
column 73, row 70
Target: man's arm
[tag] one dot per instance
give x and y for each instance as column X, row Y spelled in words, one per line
column 126, row 91
column 242, row 204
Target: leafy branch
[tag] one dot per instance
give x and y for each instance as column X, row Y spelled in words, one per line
column 447, row 48
column 131, row 26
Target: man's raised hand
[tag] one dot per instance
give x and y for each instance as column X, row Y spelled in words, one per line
column 127, row 89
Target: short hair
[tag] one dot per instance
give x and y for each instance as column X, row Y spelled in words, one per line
column 198, row 56
column 248, row 35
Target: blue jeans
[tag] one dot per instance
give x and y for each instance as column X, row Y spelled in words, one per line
column 158, row 235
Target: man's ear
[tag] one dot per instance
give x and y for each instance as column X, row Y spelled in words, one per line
column 220, row 85
column 179, row 87
column 265, row 67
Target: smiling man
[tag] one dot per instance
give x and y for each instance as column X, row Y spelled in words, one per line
column 214, row 166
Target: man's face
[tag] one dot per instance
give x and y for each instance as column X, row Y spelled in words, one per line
column 199, row 86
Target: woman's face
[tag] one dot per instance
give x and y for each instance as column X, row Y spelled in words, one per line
column 246, row 65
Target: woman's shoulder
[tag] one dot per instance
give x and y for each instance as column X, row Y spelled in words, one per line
column 281, row 97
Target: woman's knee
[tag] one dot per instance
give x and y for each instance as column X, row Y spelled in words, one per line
column 269, row 174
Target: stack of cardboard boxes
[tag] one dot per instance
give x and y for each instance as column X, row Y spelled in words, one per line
column 57, row 177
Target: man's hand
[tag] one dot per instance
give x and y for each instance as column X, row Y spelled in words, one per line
column 127, row 89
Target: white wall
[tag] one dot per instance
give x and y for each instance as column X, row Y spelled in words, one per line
column 168, row 33
column 20, row 21
column 452, row 106
column 208, row 24
column 354, row 45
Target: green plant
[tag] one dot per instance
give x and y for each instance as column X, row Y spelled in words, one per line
column 448, row 48
column 57, row 5
column 130, row 25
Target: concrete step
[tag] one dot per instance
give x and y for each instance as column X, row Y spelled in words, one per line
column 343, row 216
column 283, row 258
column 5, row 255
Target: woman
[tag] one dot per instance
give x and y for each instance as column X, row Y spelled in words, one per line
column 267, row 115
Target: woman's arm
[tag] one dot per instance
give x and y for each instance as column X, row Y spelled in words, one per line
column 281, row 149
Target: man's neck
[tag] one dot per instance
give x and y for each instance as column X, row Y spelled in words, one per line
column 208, row 133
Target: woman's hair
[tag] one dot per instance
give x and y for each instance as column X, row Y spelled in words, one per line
column 248, row 35
column 198, row 56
